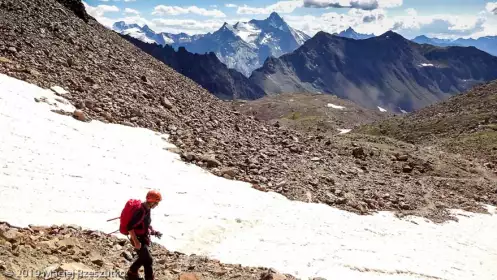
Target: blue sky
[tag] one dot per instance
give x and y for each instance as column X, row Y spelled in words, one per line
column 437, row 18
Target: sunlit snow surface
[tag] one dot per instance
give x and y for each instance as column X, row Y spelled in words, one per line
column 330, row 105
column 55, row 169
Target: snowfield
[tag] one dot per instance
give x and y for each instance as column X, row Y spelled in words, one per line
column 55, row 169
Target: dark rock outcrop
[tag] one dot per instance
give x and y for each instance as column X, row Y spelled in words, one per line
column 77, row 7
column 204, row 69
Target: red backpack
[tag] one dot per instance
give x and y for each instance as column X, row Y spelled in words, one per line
column 130, row 208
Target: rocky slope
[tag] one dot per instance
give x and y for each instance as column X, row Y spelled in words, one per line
column 310, row 112
column 204, row 69
column 465, row 124
column 111, row 80
column 70, row 252
column 388, row 71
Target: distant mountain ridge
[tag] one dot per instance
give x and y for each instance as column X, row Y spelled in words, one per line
column 352, row 34
column 204, row 69
column 387, row 71
column 487, row 44
column 243, row 46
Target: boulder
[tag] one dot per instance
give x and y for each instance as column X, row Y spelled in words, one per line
column 11, row 235
column 79, row 115
column 188, row 276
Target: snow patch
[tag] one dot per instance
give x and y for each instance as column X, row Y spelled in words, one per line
column 265, row 39
column 330, row 105
column 426, row 65
column 247, row 31
column 381, row 109
column 343, row 131
column 55, row 169
column 167, row 40
column 137, row 33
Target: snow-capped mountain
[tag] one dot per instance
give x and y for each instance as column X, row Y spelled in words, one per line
column 147, row 35
column 243, row 46
column 352, row 34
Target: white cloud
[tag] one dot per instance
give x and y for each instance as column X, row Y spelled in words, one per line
column 491, row 7
column 439, row 25
column 283, row 7
column 229, row 5
column 129, row 11
column 410, row 24
column 188, row 26
column 163, row 10
column 356, row 4
column 99, row 11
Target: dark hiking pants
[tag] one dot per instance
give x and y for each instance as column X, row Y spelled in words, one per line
column 144, row 259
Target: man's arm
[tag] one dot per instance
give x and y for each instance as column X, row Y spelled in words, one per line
column 135, row 219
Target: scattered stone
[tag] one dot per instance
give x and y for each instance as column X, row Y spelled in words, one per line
column 33, row 72
column 127, row 255
column 188, row 276
column 69, row 242
column 229, row 171
column 210, row 160
column 58, row 90
column 489, row 165
column 5, row 60
column 96, row 258
column 79, row 115
column 407, row 168
column 358, row 152
column 272, row 276
column 75, row 227
column 10, row 235
column 12, row 49
column 166, row 103
column 402, row 157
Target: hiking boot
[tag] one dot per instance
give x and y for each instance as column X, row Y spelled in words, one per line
column 132, row 276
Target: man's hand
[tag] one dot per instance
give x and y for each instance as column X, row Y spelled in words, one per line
column 137, row 245
column 158, row 234
column 134, row 240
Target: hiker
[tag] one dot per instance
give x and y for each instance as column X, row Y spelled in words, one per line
column 139, row 229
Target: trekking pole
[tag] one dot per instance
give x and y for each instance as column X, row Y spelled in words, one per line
column 113, row 219
column 112, row 232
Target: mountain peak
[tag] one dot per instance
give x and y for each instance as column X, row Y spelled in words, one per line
column 275, row 16
column 146, row 28
column 352, row 34
column 392, row 35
